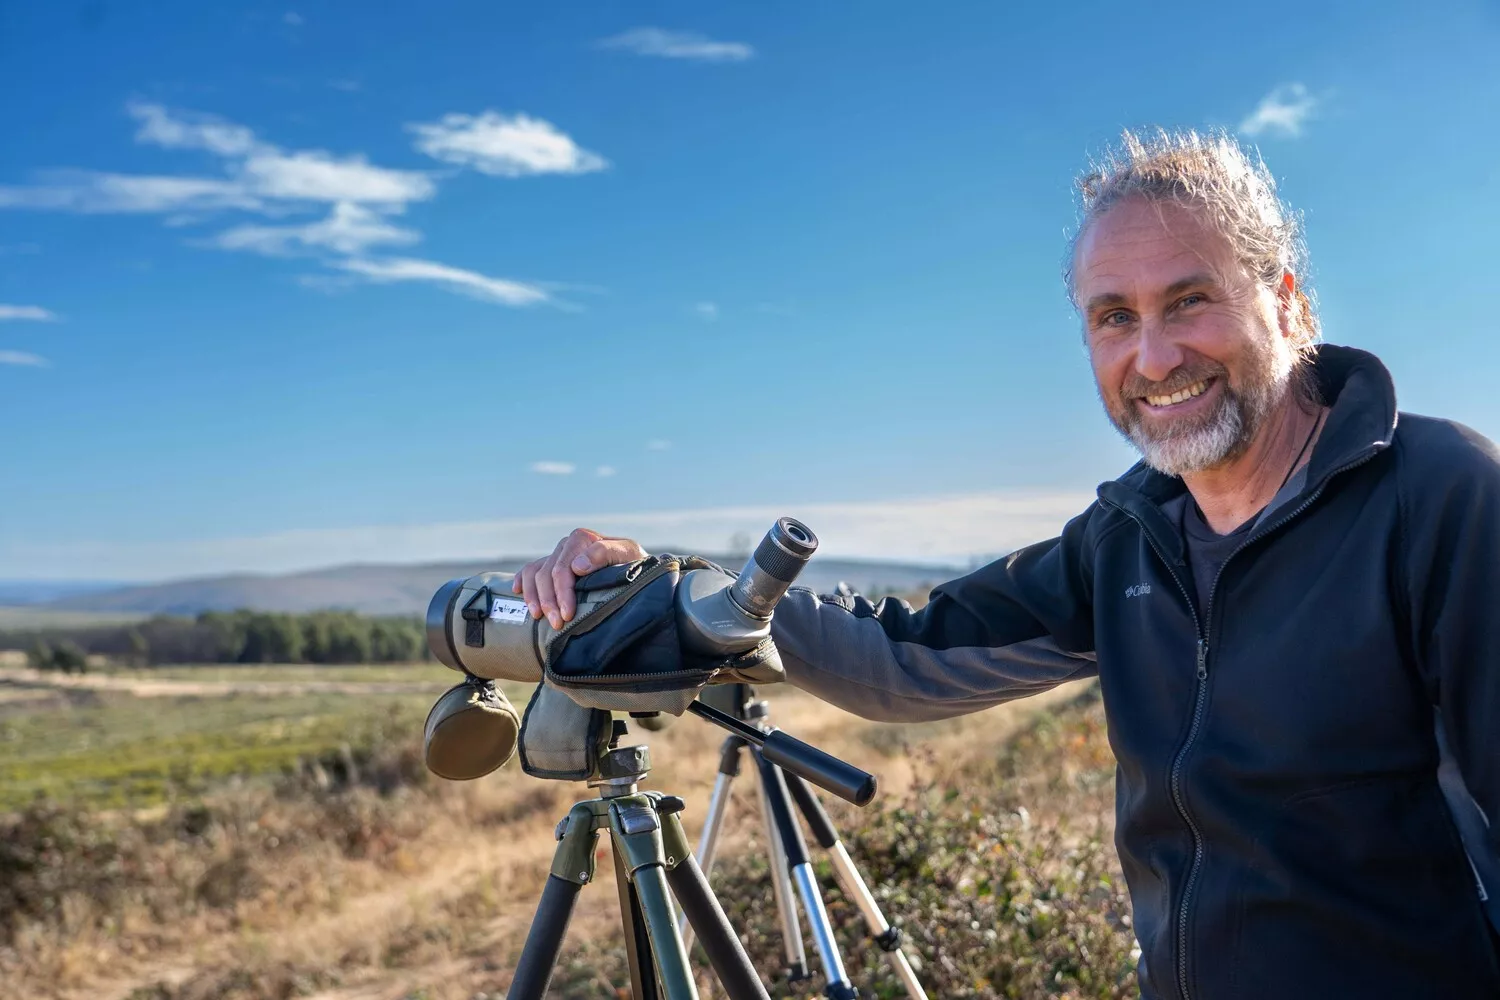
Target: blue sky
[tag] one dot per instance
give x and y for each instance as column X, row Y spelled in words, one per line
column 289, row 284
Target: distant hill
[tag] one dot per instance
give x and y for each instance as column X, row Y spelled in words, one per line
column 406, row 589
column 23, row 592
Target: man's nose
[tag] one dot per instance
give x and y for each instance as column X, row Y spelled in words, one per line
column 1157, row 355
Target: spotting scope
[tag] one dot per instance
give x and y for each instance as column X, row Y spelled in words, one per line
column 479, row 627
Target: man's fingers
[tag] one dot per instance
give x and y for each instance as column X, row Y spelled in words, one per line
column 562, row 583
column 546, row 597
column 547, row 584
column 607, row 552
column 527, row 576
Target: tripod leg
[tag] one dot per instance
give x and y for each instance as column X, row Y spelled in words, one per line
column 726, row 953
column 729, row 769
column 637, row 941
column 544, row 941
column 635, row 827
column 888, row 938
column 572, row 868
column 708, row 842
column 781, row 886
column 839, row 987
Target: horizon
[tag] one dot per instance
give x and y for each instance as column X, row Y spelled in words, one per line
column 282, row 286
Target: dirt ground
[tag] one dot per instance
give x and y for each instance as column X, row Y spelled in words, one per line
column 455, row 856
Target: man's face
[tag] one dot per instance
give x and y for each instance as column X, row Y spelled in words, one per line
column 1190, row 352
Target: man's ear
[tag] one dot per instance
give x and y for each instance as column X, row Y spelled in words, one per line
column 1287, row 304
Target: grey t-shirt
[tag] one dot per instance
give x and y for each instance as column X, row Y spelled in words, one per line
column 1207, row 550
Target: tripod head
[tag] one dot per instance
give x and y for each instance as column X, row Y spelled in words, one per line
column 622, row 767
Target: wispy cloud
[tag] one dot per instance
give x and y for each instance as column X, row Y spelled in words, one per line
column 605, row 471
column 88, row 193
column 19, row 249
column 501, row 290
column 191, row 130
column 261, row 177
column 658, row 444
column 349, row 229
column 36, row 313
column 292, row 18
column 1281, row 112
column 346, row 85
column 22, row 358
column 504, row 145
column 666, row 44
column 706, row 310
column 552, row 468
column 359, row 197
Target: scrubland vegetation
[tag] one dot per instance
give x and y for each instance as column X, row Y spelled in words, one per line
column 293, row 845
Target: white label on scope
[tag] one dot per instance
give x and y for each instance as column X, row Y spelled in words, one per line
column 506, row 609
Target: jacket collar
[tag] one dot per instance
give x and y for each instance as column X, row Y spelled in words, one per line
column 1361, row 398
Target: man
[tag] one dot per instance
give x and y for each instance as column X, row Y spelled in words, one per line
column 1289, row 605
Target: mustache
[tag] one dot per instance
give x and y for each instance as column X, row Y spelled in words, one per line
column 1137, row 387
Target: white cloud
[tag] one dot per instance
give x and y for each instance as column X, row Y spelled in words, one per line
column 313, row 175
column 260, row 177
column 187, row 130
column 1281, row 112
column 349, row 229
column 293, row 18
column 27, row 312
column 346, row 85
column 605, row 471
column 501, row 290
column 504, row 145
column 947, row 530
column 266, row 179
column 553, row 468
column 706, row 310
column 87, row 192
column 657, row 444
column 22, row 358
column 677, row 45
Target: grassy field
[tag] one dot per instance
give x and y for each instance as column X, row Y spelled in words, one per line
column 30, row 617
column 429, row 672
column 257, row 846
column 118, row 751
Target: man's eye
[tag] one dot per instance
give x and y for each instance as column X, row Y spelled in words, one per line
column 1191, row 300
column 1118, row 317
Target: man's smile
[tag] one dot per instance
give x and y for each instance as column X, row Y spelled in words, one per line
column 1180, row 401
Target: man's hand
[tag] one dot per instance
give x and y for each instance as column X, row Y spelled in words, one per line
column 547, row 584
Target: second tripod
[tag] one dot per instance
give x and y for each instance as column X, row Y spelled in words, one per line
column 789, row 861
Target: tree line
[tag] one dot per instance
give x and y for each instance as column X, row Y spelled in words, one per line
column 228, row 637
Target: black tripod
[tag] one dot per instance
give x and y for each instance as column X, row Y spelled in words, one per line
column 788, row 851
column 651, row 857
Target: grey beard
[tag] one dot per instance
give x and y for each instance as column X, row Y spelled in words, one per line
column 1224, row 436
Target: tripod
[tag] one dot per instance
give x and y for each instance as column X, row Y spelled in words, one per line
column 788, row 855
column 653, row 864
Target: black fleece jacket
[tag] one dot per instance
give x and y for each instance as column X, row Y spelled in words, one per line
column 1279, row 816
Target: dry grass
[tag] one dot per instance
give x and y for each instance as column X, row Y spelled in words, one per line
column 391, row 885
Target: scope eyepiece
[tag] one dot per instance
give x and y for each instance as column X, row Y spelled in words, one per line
column 777, row 561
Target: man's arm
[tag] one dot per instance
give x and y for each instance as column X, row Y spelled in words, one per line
column 1016, row 627
column 1452, row 545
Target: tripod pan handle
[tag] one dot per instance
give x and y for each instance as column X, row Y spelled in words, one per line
column 822, row 769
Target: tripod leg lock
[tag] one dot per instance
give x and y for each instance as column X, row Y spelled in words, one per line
column 890, row 940
column 577, row 837
column 841, row 991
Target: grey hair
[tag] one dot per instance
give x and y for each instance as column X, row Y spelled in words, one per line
column 1212, row 174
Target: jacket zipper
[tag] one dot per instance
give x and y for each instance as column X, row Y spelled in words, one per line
column 1200, row 627
column 1176, row 774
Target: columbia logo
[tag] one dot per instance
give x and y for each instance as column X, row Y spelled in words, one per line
column 1138, row 590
